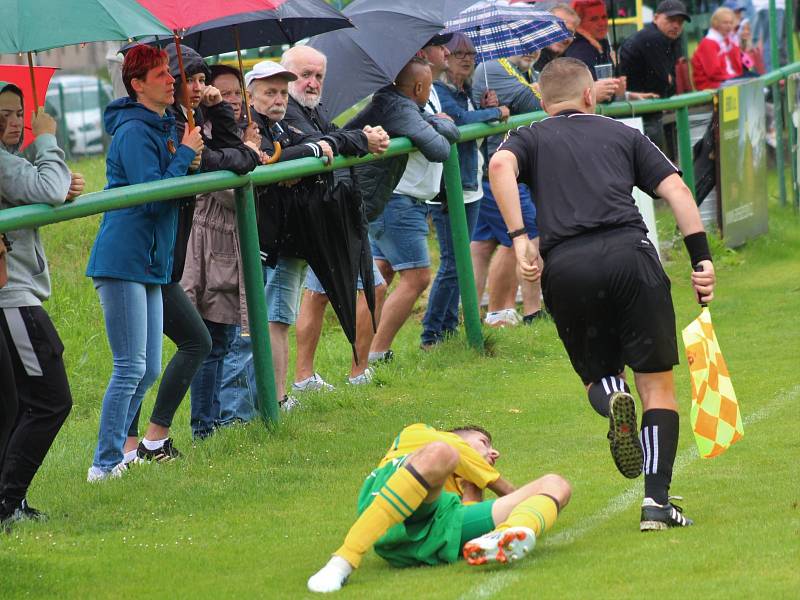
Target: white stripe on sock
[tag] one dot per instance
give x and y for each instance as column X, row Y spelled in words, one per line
column 621, row 384
column 646, row 444
column 654, row 468
column 605, row 385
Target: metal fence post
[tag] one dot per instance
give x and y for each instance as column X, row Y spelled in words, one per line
column 777, row 101
column 103, row 138
column 685, row 147
column 256, row 302
column 461, row 239
column 795, row 187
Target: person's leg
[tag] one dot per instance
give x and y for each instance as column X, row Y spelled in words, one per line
column 365, row 333
column 502, row 280
column 481, row 254
column 531, row 291
column 308, row 330
column 43, row 394
column 283, row 285
column 398, row 306
column 451, row 319
column 205, row 384
column 9, row 403
column 238, row 395
column 445, row 285
column 519, row 518
column 419, row 479
column 124, row 306
column 185, row 327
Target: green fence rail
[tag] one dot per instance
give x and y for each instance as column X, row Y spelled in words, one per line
column 37, row 215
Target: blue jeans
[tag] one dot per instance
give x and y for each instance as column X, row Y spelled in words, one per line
column 134, row 317
column 441, row 316
column 400, row 235
column 237, row 394
column 283, row 286
column 205, row 387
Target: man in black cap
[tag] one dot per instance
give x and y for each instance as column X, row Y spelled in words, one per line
column 648, row 59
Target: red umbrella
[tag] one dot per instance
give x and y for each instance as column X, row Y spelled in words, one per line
column 20, row 76
column 180, row 15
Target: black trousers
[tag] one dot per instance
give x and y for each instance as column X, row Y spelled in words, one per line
column 8, row 397
column 43, row 392
column 185, row 327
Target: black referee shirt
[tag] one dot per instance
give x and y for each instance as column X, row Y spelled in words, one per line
column 581, row 169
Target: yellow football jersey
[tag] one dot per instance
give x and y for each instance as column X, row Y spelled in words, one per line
column 471, row 465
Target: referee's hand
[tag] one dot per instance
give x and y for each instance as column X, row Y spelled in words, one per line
column 703, row 282
column 528, row 261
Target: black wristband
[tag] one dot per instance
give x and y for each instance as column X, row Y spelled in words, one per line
column 697, row 246
column 517, row 232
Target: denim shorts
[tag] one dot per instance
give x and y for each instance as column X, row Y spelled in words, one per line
column 283, row 284
column 491, row 225
column 400, row 235
column 313, row 284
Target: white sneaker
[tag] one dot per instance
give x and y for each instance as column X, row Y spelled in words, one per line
column 331, row 577
column 96, row 474
column 363, row 379
column 503, row 318
column 315, row 383
column 288, row 403
column 503, row 546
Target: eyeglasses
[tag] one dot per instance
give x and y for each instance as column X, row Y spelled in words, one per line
column 463, row 54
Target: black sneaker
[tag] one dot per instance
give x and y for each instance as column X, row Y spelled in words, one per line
column 21, row 511
column 657, row 516
column 165, row 453
column 387, row 357
column 623, row 435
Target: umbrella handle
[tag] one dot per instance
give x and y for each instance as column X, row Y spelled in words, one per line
column 275, row 155
column 33, row 83
column 699, row 269
column 189, row 112
column 241, row 74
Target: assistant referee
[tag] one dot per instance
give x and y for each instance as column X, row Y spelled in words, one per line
column 602, row 279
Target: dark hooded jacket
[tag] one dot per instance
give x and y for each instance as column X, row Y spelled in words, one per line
column 399, row 116
column 136, row 243
column 224, row 149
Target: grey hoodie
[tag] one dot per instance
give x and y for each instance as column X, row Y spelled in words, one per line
column 47, row 181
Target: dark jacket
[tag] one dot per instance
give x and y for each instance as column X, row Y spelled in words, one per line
column 458, row 105
column 399, row 116
column 136, row 243
column 648, row 60
column 545, row 57
column 350, row 142
column 584, row 51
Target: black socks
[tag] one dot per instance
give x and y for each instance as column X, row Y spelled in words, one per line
column 600, row 392
column 659, row 438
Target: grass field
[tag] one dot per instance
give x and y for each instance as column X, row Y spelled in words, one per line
column 251, row 513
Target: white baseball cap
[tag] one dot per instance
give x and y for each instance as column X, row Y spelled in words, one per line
column 266, row 69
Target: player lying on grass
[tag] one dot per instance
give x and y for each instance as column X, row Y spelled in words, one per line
column 424, row 505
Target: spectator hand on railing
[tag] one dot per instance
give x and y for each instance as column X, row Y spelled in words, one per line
column 377, row 139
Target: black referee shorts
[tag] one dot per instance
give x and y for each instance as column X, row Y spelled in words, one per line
column 611, row 302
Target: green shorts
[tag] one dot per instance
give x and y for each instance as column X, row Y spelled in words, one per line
column 435, row 533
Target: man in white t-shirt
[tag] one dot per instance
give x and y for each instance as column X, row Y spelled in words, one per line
column 399, row 235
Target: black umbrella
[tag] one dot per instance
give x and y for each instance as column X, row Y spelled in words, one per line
column 291, row 22
column 387, row 34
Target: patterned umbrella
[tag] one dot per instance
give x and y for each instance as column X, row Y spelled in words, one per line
column 500, row 30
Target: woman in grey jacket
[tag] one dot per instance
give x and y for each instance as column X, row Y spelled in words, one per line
column 36, row 350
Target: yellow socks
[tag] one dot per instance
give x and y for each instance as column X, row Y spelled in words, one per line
column 400, row 496
column 537, row 513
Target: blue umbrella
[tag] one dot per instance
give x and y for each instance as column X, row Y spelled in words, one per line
column 500, row 30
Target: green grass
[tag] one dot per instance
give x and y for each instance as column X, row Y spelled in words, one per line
column 252, row 513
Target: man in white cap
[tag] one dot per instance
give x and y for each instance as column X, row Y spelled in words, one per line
column 268, row 89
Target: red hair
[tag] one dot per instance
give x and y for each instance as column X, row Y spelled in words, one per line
column 580, row 6
column 138, row 61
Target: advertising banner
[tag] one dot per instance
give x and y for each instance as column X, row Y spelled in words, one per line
column 743, row 162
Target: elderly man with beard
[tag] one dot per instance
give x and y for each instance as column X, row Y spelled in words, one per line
column 268, row 88
column 307, row 114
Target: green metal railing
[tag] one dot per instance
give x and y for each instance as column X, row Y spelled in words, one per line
column 36, row 215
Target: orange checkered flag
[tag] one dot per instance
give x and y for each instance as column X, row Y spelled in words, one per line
column 716, row 420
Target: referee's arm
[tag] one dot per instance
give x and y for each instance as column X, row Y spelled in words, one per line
column 503, row 173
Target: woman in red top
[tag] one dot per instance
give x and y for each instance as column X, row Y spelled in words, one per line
column 717, row 57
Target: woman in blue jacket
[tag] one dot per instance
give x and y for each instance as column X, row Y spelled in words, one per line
column 441, row 316
column 133, row 252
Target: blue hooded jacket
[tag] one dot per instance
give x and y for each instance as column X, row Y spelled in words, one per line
column 136, row 243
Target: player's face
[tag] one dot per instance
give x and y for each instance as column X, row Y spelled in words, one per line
column 482, row 445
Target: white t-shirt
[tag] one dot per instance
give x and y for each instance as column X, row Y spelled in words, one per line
column 422, row 179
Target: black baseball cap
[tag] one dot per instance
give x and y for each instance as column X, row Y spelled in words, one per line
column 439, row 39
column 673, row 8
